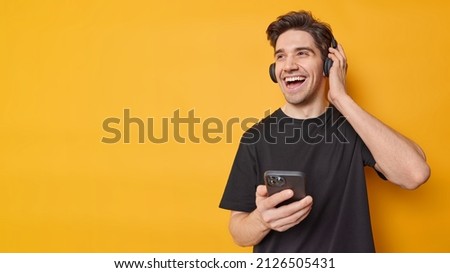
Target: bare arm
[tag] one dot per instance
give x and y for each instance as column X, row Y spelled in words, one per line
column 248, row 229
column 401, row 160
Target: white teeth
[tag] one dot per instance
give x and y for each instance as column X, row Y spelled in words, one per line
column 297, row 78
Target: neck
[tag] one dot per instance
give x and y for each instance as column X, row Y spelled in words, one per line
column 305, row 111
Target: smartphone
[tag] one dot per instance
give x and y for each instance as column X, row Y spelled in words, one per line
column 277, row 181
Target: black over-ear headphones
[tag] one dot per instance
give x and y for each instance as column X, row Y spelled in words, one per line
column 326, row 65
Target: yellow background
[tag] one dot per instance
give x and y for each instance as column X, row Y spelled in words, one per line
column 65, row 66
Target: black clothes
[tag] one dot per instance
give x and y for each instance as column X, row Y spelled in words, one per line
column 332, row 155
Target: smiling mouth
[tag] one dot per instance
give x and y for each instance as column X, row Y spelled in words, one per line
column 294, row 81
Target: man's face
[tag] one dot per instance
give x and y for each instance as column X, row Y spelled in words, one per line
column 299, row 67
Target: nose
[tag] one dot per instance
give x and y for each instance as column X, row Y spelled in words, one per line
column 290, row 65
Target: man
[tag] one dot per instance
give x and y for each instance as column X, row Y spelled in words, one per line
column 322, row 132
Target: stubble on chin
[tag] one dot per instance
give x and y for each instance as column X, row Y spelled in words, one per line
column 297, row 99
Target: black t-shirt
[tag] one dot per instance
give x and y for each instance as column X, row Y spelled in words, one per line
column 332, row 155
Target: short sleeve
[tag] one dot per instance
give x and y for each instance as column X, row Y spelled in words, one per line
column 368, row 159
column 239, row 193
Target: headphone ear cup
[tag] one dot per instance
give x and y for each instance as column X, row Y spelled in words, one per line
column 329, row 62
column 272, row 74
column 327, row 66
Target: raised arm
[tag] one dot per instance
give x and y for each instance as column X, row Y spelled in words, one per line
column 399, row 159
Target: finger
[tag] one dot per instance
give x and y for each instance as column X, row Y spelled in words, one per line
column 285, row 223
column 261, row 191
column 338, row 56
column 307, row 201
column 293, row 208
column 290, row 225
column 277, row 198
column 285, row 215
column 296, row 206
column 341, row 50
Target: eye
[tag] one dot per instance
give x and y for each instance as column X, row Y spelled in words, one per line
column 303, row 53
column 279, row 57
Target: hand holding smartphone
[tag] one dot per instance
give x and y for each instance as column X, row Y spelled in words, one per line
column 277, row 181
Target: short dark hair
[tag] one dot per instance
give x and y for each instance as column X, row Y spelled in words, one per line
column 302, row 20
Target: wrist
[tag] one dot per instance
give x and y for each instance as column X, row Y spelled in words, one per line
column 263, row 226
column 341, row 101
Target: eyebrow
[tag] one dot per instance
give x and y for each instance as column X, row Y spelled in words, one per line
column 296, row 50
